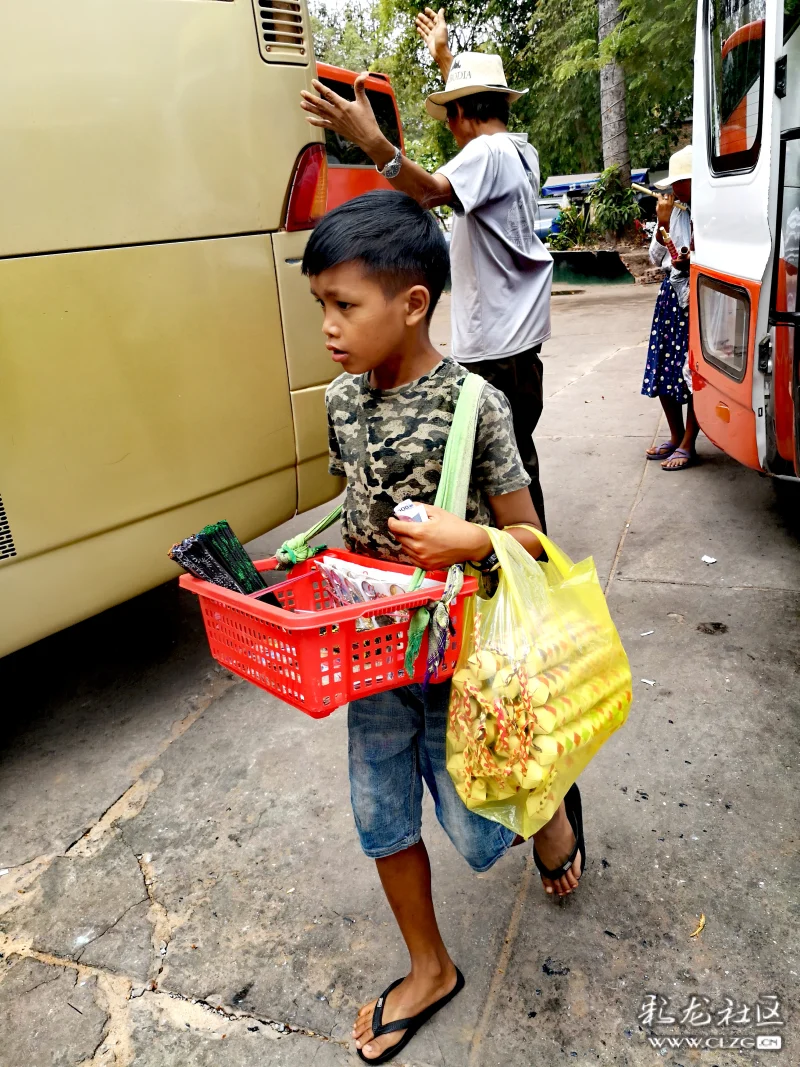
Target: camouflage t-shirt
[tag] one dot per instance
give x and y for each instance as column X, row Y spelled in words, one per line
column 390, row 443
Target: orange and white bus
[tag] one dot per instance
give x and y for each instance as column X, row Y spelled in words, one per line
column 745, row 321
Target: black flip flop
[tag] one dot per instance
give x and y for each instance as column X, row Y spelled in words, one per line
column 574, row 810
column 379, row 1028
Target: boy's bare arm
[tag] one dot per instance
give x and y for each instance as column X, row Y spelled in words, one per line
column 355, row 120
column 445, row 539
column 517, row 507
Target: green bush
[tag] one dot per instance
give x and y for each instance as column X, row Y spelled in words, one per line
column 614, row 206
column 575, row 228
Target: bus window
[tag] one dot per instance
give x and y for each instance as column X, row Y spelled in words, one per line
column 735, row 52
column 724, row 325
column 344, row 153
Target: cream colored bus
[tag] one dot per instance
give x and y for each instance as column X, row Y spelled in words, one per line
column 161, row 360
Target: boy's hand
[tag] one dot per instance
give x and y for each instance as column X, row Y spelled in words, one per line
column 352, row 119
column 441, row 541
column 432, row 28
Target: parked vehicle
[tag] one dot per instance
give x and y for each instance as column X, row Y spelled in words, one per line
column 579, row 185
column 745, row 321
column 546, row 215
column 350, row 171
column 162, row 363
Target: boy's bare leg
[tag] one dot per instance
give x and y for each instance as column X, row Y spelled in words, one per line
column 406, row 880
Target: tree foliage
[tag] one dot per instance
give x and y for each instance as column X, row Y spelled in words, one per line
column 614, row 207
column 548, row 46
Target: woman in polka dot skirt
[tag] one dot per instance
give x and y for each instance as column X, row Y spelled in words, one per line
column 666, row 373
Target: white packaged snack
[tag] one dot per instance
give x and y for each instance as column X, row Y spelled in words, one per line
column 411, row 511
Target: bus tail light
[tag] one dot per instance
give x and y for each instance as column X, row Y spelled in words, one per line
column 309, row 193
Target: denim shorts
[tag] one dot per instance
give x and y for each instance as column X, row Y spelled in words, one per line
column 397, row 740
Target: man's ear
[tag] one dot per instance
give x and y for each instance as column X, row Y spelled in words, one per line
column 418, row 300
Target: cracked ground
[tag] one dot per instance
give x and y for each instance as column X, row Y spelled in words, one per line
column 180, row 880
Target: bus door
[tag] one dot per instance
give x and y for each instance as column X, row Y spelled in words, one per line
column 784, row 359
column 734, row 186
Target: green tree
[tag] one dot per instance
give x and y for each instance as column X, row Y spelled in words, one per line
column 548, row 46
column 350, row 36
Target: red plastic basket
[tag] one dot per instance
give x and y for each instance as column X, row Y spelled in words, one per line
column 319, row 661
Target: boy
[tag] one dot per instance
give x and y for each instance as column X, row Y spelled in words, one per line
column 377, row 266
column 501, row 271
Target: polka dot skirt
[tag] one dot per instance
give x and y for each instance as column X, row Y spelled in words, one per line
column 668, row 348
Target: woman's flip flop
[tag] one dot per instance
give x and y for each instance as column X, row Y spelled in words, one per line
column 681, row 453
column 379, row 1028
column 574, row 810
column 663, row 451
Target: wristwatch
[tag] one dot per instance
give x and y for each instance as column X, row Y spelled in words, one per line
column 487, row 565
column 392, row 168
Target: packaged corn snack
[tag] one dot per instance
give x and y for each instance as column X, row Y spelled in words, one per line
column 541, row 683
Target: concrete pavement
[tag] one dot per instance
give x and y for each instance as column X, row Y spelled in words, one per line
column 183, row 882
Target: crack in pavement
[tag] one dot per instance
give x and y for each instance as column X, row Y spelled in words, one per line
column 116, row 990
column 502, row 962
column 711, row 585
column 593, row 368
column 163, row 929
column 637, row 496
column 16, row 883
column 128, row 805
column 110, row 926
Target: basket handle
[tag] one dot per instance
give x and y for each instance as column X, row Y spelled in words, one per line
column 297, row 549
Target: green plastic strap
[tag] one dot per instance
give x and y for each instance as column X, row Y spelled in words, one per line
column 297, row 549
column 452, row 492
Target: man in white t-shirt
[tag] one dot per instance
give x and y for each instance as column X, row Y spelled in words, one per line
column 501, row 271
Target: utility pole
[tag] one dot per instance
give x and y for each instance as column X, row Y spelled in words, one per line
column 613, row 116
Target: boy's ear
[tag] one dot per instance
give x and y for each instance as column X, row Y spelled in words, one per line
column 418, row 300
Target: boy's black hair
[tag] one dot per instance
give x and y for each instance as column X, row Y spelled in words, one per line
column 480, row 106
column 395, row 240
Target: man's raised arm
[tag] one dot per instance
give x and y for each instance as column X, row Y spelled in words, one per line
column 432, row 28
column 355, row 120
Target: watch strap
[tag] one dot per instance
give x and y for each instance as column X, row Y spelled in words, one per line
column 392, row 168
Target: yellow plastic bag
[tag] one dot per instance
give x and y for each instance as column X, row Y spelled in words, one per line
column 541, row 683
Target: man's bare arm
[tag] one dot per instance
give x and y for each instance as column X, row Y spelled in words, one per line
column 355, row 120
column 432, row 28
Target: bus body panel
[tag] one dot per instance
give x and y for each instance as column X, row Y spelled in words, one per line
column 144, row 381
column 150, row 121
column 724, row 407
column 346, row 182
column 311, row 437
column 135, row 380
column 45, row 593
column 308, row 360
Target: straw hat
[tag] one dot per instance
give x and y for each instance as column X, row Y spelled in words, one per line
column 680, row 168
column 471, row 72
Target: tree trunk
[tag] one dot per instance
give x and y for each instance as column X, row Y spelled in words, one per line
column 613, row 117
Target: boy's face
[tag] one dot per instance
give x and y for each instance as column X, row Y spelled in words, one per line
column 363, row 324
